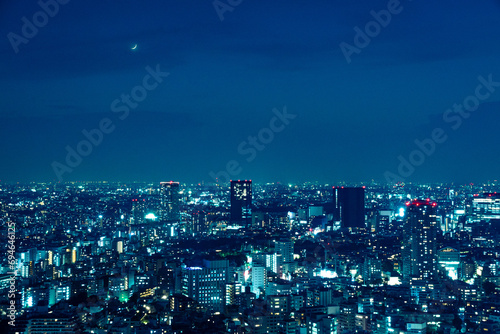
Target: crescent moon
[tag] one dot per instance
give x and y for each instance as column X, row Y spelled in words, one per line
column 134, row 47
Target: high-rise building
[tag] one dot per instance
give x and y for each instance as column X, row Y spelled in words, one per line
column 279, row 309
column 284, row 253
column 419, row 241
column 347, row 317
column 259, row 280
column 200, row 222
column 484, row 207
column 138, row 210
column 207, row 284
column 349, row 206
column 241, row 202
column 285, row 248
column 170, row 201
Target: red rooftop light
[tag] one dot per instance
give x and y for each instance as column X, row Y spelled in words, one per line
column 418, row 202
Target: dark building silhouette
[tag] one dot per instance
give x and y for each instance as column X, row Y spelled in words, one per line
column 170, row 201
column 349, row 207
column 241, row 202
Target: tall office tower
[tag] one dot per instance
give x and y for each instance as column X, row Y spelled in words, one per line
column 170, row 201
column 349, row 207
column 285, row 248
column 241, row 202
column 138, row 210
column 200, row 222
column 207, row 284
column 419, row 241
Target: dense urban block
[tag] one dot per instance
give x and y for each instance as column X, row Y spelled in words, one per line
column 252, row 258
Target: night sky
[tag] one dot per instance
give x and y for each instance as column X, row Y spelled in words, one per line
column 228, row 79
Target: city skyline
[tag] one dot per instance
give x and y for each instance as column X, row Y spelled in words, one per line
column 236, row 166
column 175, row 258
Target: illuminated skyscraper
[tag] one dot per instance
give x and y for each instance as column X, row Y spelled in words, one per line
column 349, row 207
column 207, row 284
column 241, row 202
column 170, row 201
column 138, row 210
column 419, row 243
column 285, row 248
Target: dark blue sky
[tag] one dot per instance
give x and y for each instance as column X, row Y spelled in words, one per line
column 353, row 120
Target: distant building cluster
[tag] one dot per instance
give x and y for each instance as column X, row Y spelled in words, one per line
column 251, row 258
